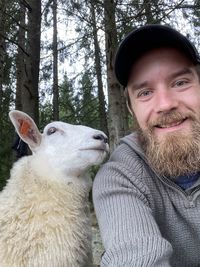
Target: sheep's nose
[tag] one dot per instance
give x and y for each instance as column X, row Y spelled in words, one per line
column 101, row 137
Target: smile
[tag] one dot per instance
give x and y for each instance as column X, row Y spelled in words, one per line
column 170, row 125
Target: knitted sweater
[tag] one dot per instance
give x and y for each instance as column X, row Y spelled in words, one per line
column 145, row 220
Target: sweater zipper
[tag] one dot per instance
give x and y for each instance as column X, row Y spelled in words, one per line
column 188, row 197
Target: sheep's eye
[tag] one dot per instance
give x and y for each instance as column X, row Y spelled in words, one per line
column 51, row 130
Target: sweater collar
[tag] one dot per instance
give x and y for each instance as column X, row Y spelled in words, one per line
column 184, row 181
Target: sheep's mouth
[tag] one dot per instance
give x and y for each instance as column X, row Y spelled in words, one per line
column 101, row 148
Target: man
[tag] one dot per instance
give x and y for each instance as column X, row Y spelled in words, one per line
column 147, row 196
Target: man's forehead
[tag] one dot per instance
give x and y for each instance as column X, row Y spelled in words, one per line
column 162, row 52
column 189, row 71
column 172, row 59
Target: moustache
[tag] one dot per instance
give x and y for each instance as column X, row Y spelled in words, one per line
column 170, row 118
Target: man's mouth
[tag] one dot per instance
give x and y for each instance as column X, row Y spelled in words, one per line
column 170, row 124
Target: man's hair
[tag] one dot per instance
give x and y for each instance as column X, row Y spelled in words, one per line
column 198, row 70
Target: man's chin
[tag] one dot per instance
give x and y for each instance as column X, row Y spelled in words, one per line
column 172, row 154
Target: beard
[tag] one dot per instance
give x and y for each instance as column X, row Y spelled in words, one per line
column 176, row 153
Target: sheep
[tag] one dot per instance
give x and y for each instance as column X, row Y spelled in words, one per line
column 44, row 212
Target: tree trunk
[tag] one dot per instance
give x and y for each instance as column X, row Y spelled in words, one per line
column 30, row 94
column 2, row 51
column 20, row 58
column 55, row 65
column 118, row 123
column 101, row 96
column 150, row 17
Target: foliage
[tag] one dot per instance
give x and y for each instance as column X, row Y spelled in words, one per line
column 67, row 102
column 87, row 102
column 6, row 137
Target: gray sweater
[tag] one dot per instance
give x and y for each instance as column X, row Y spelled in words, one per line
column 145, row 220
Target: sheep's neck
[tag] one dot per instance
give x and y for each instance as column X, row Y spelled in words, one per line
column 36, row 189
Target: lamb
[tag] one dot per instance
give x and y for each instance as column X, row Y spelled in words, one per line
column 44, row 210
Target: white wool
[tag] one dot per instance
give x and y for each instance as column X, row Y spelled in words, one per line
column 44, row 211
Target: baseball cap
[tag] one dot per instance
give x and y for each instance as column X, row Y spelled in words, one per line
column 145, row 38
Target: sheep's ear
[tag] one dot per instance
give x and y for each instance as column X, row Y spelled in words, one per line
column 26, row 128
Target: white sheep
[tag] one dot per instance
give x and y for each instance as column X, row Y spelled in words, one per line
column 44, row 218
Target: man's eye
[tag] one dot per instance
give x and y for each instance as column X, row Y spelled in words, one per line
column 181, row 83
column 51, row 130
column 144, row 93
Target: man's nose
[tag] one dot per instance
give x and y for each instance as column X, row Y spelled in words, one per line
column 165, row 100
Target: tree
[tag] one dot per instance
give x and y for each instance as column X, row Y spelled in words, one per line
column 87, row 47
column 55, row 64
column 98, row 68
column 2, row 50
column 30, row 94
column 20, row 56
column 88, row 114
column 67, row 105
column 118, row 124
column 6, row 87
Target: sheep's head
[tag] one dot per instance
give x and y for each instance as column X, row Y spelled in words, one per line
column 70, row 149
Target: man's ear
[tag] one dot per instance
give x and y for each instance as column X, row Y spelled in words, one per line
column 129, row 108
column 26, row 128
column 126, row 95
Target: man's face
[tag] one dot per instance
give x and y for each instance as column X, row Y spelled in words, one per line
column 164, row 94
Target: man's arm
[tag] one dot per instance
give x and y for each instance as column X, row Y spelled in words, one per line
column 129, row 232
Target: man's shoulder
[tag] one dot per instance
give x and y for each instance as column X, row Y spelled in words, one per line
column 128, row 147
column 127, row 158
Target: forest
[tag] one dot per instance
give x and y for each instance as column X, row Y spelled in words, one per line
column 56, row 61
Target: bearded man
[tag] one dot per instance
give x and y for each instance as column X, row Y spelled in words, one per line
column 147, row 196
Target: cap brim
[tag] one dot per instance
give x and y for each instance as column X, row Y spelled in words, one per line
column 144, row 39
